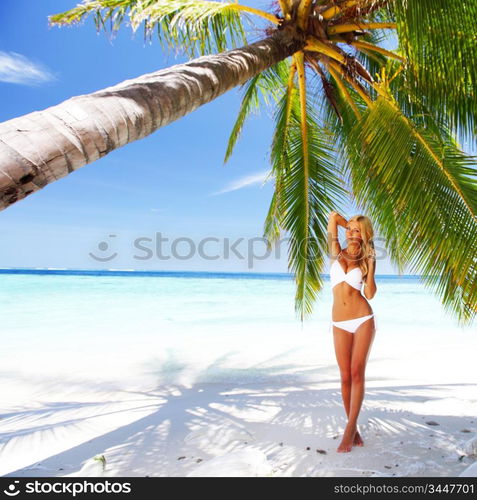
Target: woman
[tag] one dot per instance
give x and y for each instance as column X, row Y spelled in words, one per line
column 353, row 320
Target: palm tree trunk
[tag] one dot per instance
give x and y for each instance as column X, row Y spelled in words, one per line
column 43, row 146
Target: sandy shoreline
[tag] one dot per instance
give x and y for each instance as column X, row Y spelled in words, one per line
column 413, row 424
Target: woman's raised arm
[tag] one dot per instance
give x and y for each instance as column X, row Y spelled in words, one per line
column 335, row 219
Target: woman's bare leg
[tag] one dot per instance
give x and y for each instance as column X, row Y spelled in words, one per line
column 343, row 350
column 343, row 342
column 362, row 341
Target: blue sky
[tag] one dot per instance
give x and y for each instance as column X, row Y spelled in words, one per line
column 172, row 183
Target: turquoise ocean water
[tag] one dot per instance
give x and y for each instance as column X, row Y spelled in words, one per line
column 182, row 327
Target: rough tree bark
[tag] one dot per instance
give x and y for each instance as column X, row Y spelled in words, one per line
column 44, row 146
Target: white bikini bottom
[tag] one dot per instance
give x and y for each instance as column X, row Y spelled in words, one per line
column 351, row 325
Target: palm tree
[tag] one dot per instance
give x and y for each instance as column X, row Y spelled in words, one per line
column 352, row 118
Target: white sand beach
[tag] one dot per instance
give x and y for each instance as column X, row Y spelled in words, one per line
column 236, row 414
column 169, row 215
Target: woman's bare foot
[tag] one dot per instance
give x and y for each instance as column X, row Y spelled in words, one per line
column 358, row 441
column 347, row 441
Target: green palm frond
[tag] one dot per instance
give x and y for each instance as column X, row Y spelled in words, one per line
column 421, row 191
column 307, row 256
column 286, row 107
column 268, row 84
column 116, row 10
column 196, row 26
column 250, row 103
column 439, row 39
column 308, row 244
column 339, row 127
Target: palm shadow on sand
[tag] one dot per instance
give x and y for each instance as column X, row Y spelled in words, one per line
column 277, row 408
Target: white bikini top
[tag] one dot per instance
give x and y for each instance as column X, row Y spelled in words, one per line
column 353, row 277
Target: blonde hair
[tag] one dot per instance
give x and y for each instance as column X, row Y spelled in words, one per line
column 367, row 245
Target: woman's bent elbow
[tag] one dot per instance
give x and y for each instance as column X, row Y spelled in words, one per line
column 370, row 294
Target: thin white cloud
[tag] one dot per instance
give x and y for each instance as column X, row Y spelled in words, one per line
column 109, row 186
column 244, row 182
column 16, row 68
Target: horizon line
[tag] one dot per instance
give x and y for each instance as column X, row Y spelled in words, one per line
column 65, row 270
